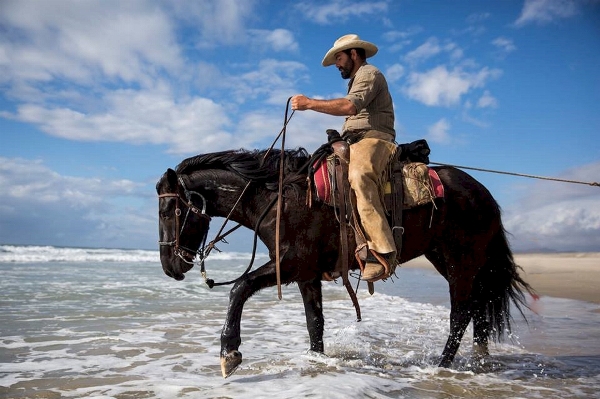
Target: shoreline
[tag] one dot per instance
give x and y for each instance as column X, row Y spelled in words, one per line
column 563, row 275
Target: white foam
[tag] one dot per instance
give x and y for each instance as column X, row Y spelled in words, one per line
column 42, row 254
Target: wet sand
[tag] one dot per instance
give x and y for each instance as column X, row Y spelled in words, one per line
column 564, row 275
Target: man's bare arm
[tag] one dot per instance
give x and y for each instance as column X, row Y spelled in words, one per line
column 337, row 107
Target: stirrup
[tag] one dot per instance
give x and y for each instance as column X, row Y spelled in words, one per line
column 388, row 261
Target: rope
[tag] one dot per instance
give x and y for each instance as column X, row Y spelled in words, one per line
column 595, row 184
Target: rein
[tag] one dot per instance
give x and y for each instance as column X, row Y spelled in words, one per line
column 280, row 203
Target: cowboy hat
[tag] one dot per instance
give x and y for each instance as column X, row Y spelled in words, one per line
column 348, row 42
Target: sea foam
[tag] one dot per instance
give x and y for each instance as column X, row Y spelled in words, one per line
column 42, row 254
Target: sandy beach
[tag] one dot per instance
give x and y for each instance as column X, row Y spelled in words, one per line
column 563, row 275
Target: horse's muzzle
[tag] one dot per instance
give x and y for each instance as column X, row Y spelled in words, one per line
column 175, row 267
column 176, row 276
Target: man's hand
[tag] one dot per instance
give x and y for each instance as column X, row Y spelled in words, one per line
column 300, row 102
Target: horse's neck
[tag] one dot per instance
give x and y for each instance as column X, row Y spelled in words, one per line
column 227, row 189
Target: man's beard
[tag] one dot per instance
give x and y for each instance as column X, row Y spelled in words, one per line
column 346, row 70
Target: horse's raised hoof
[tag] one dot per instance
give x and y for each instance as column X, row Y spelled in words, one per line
column 230, row 362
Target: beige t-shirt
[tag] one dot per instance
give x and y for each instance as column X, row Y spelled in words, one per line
column 369, row 93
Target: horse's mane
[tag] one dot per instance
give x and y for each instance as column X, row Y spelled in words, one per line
column 259, row 166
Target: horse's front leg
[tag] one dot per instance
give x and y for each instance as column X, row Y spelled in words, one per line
column 313, row 309
column 262, row 277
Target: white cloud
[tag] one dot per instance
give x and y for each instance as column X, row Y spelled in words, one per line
column 98, row 71
column 487, row 101
column 271, row 78
column 558, row 216
column 272, row 40
column 567, row 226
column 426, row 50
column 41, row 206
column 341, row 10
column 282, row 40
column 442, row 87
column 473, row 121
column 456, row 53
column 431, row 48
column 306, row 129
column 545, row 11
column 220, row 22
column 187, row 125
column 504, row 44
column 137, row 117
column 438, row 132
column 400, row 39
column 394, row 72
column 81, row 41
column 25, row 180
column 396, row 35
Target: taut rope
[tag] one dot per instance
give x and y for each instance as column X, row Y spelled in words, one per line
column 595, row 184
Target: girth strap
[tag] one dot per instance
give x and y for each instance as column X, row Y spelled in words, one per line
column 342, row 151
column 393, row 200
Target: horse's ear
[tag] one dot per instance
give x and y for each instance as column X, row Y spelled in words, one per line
column 171, row 178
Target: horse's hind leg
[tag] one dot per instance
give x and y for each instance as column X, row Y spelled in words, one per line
column 313, row 309
column 481, row 330
column 460, row 316
column 460, row 284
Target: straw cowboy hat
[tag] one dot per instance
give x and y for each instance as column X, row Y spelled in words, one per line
column 347, row 42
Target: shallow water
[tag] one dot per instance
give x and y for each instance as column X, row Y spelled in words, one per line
column 112, row 325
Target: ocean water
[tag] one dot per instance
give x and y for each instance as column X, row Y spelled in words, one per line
column 84, row 323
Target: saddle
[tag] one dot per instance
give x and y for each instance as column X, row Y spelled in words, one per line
column 409, row 183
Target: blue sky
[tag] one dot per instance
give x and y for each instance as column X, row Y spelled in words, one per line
column 99, row 98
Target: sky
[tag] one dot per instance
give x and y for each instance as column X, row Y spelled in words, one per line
column 99, row 98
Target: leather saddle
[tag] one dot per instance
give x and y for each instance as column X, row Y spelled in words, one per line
column 410, row 183
column 328, row 177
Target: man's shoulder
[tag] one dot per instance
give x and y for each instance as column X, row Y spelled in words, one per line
column 368, row 70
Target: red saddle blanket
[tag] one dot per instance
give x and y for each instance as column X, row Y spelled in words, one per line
column 436, row 182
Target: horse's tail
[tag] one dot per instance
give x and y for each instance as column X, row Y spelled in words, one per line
column 500, row 284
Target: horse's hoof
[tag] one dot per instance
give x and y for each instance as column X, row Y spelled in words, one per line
column 230, row 362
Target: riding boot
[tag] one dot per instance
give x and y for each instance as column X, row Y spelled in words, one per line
column 378, row 266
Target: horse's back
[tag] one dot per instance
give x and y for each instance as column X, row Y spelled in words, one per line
column 464, row 194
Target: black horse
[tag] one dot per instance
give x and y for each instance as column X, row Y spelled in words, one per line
column 464, row 239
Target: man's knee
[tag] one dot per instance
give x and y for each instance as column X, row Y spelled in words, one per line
column 360, row 181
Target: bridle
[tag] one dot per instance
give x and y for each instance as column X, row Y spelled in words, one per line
column 179, row 249
column 204, row 250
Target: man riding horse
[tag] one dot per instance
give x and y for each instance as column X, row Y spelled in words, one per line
column 369, row 129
